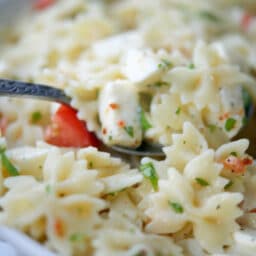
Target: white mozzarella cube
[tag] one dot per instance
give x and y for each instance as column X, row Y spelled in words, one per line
column 141, row 66
column 119, row 115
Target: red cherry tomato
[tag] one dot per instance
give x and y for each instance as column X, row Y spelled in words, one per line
column 66, row 130
column 43, row 4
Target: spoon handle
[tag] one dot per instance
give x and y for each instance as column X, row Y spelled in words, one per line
column 12, row 88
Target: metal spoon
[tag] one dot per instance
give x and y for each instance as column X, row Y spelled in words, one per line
column 13, row 88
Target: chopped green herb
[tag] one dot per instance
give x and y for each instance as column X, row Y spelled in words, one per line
column 143, row 121
column 177, row 112
column 202, row 182
column 129, row 130
column 176, row 207
column 159, row 84
column 76, row 237
column 208, row 16
column 191, row 66
column 36, row 117
column 233, row 154
column 110, row 137
column 90, row 164
column 228, row 185
column 230, row 124
column 212, row 127
column 148, row 170
column 48, row 188
column 10, row 168
column 165, row 64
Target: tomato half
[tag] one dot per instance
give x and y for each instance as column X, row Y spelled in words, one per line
column 66, row 130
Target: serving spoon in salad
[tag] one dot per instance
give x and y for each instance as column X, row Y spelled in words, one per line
column 14, row 88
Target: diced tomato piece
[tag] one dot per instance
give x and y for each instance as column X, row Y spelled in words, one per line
column 66, row 130
column 246, row 20
column 43, row 4
column 236, row 164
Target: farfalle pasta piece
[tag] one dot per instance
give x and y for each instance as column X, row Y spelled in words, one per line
column 176, row 204
column 185, row 146
column 24, row 203
column 71, row 223
column 121, row 237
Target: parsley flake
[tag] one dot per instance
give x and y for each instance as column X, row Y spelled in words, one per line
column 8, row 166
column 48, row 188
column 36, row 117
column 176, row 207
column 143, row 121
column 160, row 83
column 202, row 182
column 233, row 153
column 165, row 64
column 230, row 124
column 228, row 185
column 148, row 170
column 191, row 66
column 129, row 130
column 177, row 112
column 76, row 237
column 208, row 16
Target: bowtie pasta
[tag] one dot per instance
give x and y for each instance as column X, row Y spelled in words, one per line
column 176, row 73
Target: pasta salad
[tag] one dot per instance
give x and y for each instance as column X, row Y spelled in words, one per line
column 180, row 74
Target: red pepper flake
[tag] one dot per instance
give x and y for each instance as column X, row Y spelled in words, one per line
column 121, row 124
column 104, row 131
column 59, row 227
column 246, row 21
column 113, row 105
column 236, row 164
column 41, row 5
column 224, row 116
